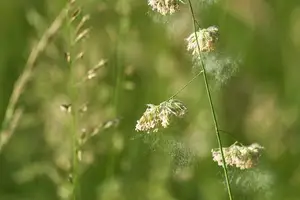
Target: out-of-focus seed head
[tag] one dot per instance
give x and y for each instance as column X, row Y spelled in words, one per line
column 243, row 157
column 82, row 22
column 207, row 40
column 66, row 108
column 160, row 116
column 82, row 35
column 92, row 73
column 164, row 7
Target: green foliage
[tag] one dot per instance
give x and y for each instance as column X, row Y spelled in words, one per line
column 143, row 60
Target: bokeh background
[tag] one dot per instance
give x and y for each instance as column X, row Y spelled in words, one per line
column 255, row 88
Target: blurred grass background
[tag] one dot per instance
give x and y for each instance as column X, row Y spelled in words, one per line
column 147, row 62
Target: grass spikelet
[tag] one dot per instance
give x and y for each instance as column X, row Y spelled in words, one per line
column 239, row 156
column 160, row 116
column 164, row 7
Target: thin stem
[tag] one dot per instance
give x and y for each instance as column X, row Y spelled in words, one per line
column 211, row 104
column 228, row 133
column 187, row 84
column 74, row 98
column 119, row 76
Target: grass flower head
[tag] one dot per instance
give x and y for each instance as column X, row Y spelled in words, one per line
column 207, row 40
column 239, row 156
column 164, row 7
column 160, row 116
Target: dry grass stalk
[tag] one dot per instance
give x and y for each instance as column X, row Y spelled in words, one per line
column 12, row 117
column 7, row 133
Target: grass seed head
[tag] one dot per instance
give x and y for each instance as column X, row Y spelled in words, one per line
column 239, row 156
column 164, row 7
column 207, row 40
column 160, row 116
